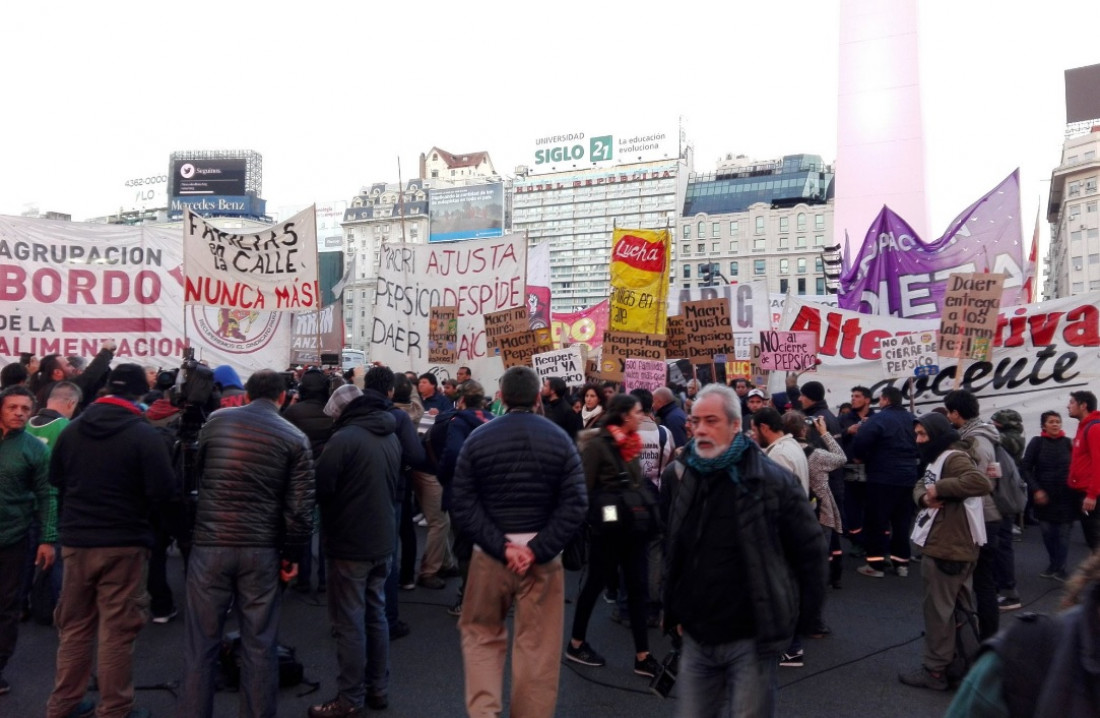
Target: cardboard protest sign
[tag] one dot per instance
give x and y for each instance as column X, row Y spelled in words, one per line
column 617, row 346
column 969, row 319
column 506, row 321
column 707, row 326
column 677, row 337
column 566, row 363
column 901, row 355
column 788, row 351
column 518, row 348
column 443, row 335
column 644, row 374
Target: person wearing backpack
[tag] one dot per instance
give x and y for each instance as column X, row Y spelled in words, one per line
column 1084, row 470
column 950, row 551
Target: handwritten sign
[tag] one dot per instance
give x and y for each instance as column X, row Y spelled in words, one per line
column 566, row 363
column 677, row 337
column 517, row 349
column 968, row 322
column 903, row 355
column 788, row 351
column 639, row 280
column 506, row 321
column 617, row 346
column 644, row 374
column 442, row 335
column 707, row 326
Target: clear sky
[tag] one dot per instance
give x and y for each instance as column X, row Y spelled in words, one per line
column 333, row 93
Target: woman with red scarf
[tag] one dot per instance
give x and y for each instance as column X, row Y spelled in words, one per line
column 610, row 462
column 1046, row 469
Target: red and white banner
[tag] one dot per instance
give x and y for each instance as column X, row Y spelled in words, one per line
column 67, row 286
column 273, row 269
column 1041, row 352
column 585, row 327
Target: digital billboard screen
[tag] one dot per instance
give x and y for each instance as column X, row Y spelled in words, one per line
column 466, row 212
column 223, row 177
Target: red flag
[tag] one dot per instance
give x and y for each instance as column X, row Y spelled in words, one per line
column 1032, row 264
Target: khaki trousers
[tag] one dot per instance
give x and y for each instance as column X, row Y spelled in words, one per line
column 940, row 593
column 437, row 550
column 539, row 597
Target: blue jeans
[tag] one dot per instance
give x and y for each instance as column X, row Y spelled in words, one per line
column 393, row 611
column 1056, row 539
column 726, row 680
column 357, row 609
column 215, row 574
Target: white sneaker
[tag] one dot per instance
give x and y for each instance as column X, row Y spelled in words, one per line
column 867, row 570
column 902, row 571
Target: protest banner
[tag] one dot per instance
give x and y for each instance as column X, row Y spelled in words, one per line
column 901, row 356
column 639, row 280
column 968, row 321
column 479, row 276
column 274, row 269
column 644, row 374
column 707, row 326
column 788, row 351
column 748, row 302
column 585, row 327
column 566, row 363
column 67, row 286
column 327, row 324
column 1043, row 352
column 442, row 335
column 517, row 349
column 676, row 343
column 618, row 346
column 506, row 321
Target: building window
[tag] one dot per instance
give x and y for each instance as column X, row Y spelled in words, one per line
column 819, row 222
column 783, row 286
column 820, row 285
column 784, row 265
column 687, row 248
column 1088, row 155
column 1074, row 189
column 702, row 248
column 414, row 233
column 716, row 229
column 801, row 286
column 687, row 271
column 1075, row 236
column 1077, row 287
column 1094, row 284
column 733, row 246
column 758, row 266
column 1074, row 211
column 800, row 225
column 687, row 231
column 1090, row 185
column 800, row 243
column 733, row 229
column 714, row 247
column 1092, row 233
column 1090, row 207
column 784, row 224
column 1094, row 259
column 759, row 244
column 759, row 225
column 801, row 265
column 702, row 229
column 782, row 241
column 733, row 269
column 818, row 265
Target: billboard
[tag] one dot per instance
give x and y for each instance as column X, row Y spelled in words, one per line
column 221, row 176
column 581, row 150
column 471, row 212
column 1082, row 94
column 149, row 191
column 246, row 206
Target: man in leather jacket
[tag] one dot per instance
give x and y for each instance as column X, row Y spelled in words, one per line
column 253, row 521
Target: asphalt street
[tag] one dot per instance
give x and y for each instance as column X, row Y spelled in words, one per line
column 876, row 627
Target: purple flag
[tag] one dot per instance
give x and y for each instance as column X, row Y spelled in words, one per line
column 896, row 273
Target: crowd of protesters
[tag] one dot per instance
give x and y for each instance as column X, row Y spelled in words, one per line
column 720, row 513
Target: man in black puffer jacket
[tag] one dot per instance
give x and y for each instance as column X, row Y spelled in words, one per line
column 255, row 508
column 357, row 481
column 519, row 493
column 744, row 563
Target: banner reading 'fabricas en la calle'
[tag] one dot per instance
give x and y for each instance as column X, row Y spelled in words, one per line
column 273, row 269
column 639, row 280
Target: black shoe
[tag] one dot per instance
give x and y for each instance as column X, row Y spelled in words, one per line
column 166, row 617
column 336, row 708
column 433, row 582
column 924, row 678
column 821, row 631
column 86, row 709
column 399, row 629
column 378, row 703
column 584, row 655
column 449, row 572
column 648, row 666
column 1008, row 603
column 792, row 660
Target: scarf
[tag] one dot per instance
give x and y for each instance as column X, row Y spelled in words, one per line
column 727, row 461
column 1059, row 435
column 589, row 416
column 630, row 445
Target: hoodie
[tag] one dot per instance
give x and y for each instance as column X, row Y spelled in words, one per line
column 232, row 390
column 110, row 467
column 358, row 475
column 984, row 437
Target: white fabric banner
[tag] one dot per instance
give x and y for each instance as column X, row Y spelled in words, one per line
column 476, row 275
column 273, row 269
column 67, row 286
column 1041, row 352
